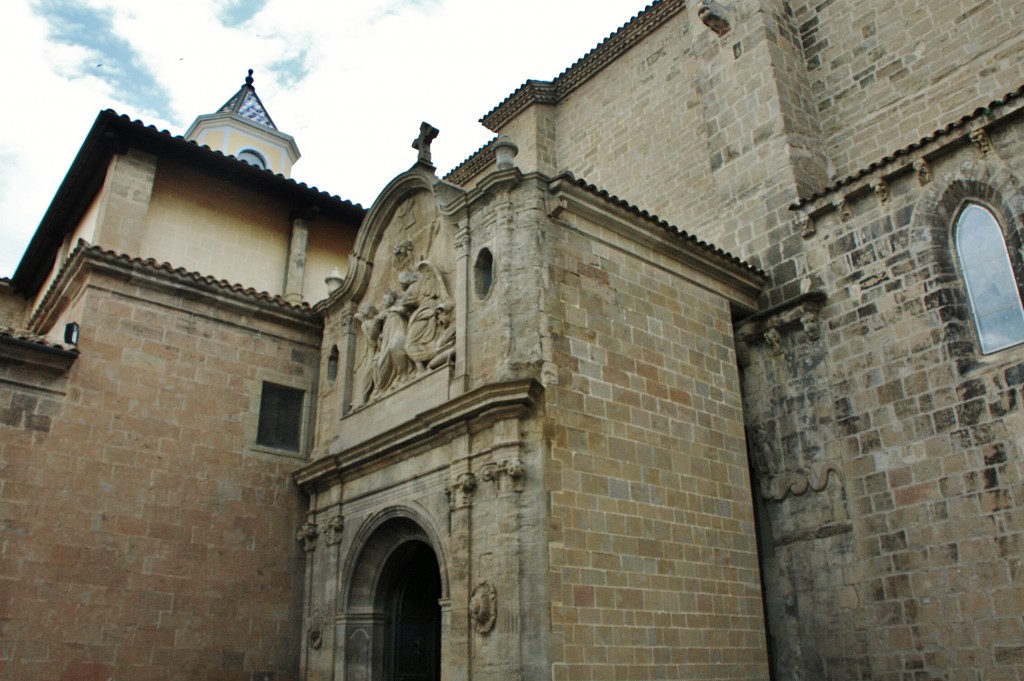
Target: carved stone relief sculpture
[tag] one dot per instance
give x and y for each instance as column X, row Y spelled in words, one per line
column 483, row 607
column 307, row 534
column 409, row 332
column 315, row 629
column 767, row 327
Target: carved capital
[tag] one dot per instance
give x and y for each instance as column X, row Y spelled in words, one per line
column 773, row 339
column 809, row 322
column 804, row 224
column 844, row 210
column 483, row 607
column 714, row 16
column 512, row 469
column 460, row 494
column 307, row 534
column 767, row 327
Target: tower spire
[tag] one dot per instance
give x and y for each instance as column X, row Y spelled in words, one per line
column 242, row 128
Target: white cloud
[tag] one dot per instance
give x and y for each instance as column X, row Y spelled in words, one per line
column 376, row 71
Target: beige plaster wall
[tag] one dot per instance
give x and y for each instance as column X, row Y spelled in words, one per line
column 329, row 246
column 216, row 228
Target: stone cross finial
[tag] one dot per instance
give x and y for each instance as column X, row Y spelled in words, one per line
column 422, row 143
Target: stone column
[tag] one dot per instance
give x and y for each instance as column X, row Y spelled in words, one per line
column 464, row 270
column 456, row 655
column 295, row 272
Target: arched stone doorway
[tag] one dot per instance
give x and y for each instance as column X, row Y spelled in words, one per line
column 393, row 615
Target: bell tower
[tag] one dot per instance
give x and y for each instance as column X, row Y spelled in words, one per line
column 242, row 128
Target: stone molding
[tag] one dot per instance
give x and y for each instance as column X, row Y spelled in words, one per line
column 973, row 129
column 423, row 429
column 553, row 92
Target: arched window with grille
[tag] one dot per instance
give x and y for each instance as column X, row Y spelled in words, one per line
column 988, row 273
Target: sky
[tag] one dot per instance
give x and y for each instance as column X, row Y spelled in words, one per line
column 350, row 80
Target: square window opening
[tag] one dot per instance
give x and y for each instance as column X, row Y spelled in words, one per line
column 280, row 422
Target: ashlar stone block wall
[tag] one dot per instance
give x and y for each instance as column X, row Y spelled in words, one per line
column 145, row 538
column 653, row 557
column 886, row 74
column 908, row 566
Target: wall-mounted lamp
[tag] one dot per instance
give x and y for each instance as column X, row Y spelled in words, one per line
column 71, row 333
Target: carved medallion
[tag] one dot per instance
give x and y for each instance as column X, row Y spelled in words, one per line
column 483, row 607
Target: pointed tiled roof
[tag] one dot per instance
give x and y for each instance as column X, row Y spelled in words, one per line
column 246, row 103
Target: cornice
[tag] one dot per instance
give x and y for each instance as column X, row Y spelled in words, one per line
column 424, row 428
column 162, row 275
column 22, row 347
column 553, row 92
column 928, row 148
column 572, row 195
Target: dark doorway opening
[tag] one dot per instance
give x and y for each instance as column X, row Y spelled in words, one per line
column 415, row 616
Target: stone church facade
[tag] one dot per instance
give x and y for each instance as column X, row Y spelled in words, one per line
column 708, row 366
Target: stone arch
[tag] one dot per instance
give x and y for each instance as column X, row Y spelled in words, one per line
column 371, row 232
column 986, row 182
column 382, row 549
column 377, row 538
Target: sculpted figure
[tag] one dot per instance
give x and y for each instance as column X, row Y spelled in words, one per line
column 421, row 299
column 444, row 349
column 370, row 325
column 392, row 361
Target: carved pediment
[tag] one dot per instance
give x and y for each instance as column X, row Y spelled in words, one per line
column 405, row 320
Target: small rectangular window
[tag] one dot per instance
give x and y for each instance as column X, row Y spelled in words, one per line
column 280, row 424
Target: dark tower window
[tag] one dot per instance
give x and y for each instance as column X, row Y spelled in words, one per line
column 253, row 158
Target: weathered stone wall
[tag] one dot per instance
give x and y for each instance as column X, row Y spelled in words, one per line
column 653, row 557
column 886, row 74
column 717, row 133
column 145, row 538
column 12, row 306
column 907, row 564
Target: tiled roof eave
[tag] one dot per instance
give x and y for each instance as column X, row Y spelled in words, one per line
column 149, row 271
column 717, row 254
column 1003, row 109
column 552, row 92
column 112, row 133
